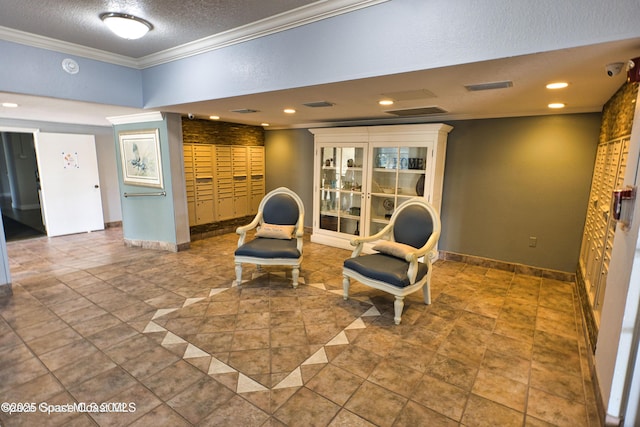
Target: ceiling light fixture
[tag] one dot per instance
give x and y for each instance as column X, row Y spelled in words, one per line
column 126, row 26
column 557, row 85
column 289, row 111
column 556, row 105
column 264, row 124
column 10, row 105
column 385, row 102
column 214, row 117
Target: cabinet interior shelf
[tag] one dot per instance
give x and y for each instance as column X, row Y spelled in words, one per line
column 349, row 216
column 341, row 214
column 380, row 220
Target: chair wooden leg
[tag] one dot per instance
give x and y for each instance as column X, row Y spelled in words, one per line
column 345, row 287
column 295, row 273
column 398, row 305
column 426, row 292
column 238, row 273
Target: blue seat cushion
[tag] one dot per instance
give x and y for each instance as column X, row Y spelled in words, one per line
column 384, row 268
column 269, row 248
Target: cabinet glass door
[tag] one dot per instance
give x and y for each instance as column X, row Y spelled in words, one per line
column 341, row 189
column 398, row 173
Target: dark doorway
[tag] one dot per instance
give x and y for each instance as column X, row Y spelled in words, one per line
column 14, row 230
column 19, row 187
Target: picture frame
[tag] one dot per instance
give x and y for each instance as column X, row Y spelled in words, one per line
column 140, row 158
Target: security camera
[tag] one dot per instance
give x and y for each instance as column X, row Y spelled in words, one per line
column 191, row 116
column 630, row 64
column 614, row 68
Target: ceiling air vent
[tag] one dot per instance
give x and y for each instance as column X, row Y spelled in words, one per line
column 409, row 95
column 489, row 86
column 319, row 104
column 244, row 111
column 421, row 111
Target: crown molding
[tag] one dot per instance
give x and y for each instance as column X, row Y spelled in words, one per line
column 151, row 116
column 34, row 40
column 291, row 19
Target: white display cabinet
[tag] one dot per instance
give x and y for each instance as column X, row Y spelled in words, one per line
column 362, row 173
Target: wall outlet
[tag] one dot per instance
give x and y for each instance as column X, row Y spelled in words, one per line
column 533, row 242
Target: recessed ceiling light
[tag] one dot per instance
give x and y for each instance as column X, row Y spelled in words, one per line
column 10, row 104
column 214, row 117
column 557, row 85
column 289, row 110
column 264, row 124
column 385, row 102
column 556, row 105
column 126, row 26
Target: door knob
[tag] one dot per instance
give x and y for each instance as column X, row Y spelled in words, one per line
column 96, row 186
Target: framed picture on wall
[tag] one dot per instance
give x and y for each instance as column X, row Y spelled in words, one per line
column 140, row 155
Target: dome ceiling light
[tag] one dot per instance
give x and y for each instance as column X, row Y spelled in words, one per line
column 126, row 26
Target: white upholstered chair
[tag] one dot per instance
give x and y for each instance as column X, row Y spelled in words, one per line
column 400, row 265
column 279, row 226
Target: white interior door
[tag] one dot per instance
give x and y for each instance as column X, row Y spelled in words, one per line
column 70, row 189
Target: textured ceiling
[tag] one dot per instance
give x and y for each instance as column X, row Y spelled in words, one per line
column 175, row 22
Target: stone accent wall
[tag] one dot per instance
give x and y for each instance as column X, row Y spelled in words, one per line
column 200, row 131
column 617, row 113
column 591, row 329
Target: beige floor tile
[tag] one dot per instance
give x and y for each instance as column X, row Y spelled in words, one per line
column 200, row 399
column 395, row 377
column 173, row 379
column 91, row 319
column 83, row 369
column 452, row 371
column 441, row 397
column 306, row 408
column 481, row 412
column 335, row 384
column 386, row 409
column 555, row 410
column 500, row 389
column 237, row 412
column 346, row 418
column 103, row 386
column 161, row 415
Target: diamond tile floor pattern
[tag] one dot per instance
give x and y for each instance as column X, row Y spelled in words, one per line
column 171, row 335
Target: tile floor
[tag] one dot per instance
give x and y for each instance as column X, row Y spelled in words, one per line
column 167, row 334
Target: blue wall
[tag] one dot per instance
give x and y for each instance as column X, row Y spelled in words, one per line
column 151, row 218
column 35, row 71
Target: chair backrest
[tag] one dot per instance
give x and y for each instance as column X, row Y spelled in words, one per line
column 413, row 226
column 280, row 209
